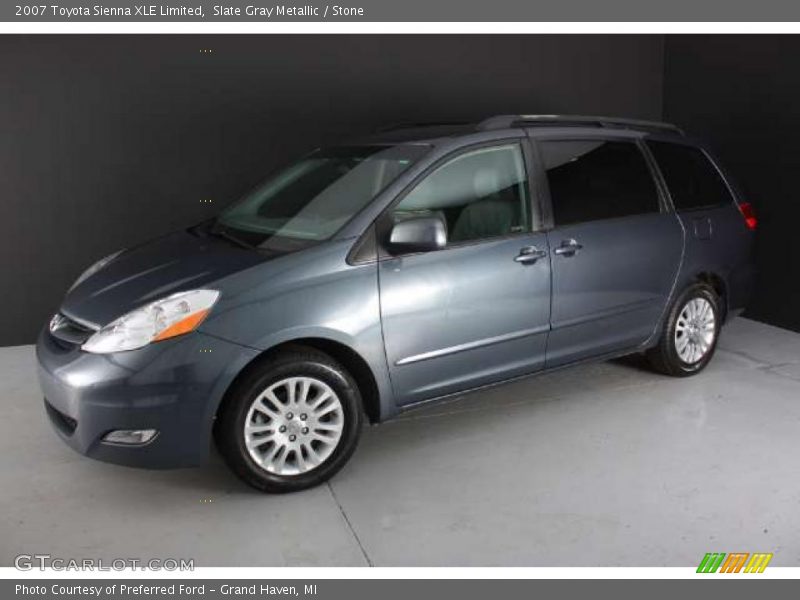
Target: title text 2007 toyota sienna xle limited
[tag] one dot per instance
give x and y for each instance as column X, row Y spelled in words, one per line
column 370, row 278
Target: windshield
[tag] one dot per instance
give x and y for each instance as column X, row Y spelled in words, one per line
column 314, row 198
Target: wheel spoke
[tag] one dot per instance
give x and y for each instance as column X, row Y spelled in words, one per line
column 273, row 452
column 291, row 391
column 707, row 339
column 328, row 426
column 314, row 457
column 305, row 385
column 327, row 408
column 325, row 439
column 302, row 465
column 254, row 443
column 258, row 428
column 279, row 461
column 319, row 400
column 261, row 405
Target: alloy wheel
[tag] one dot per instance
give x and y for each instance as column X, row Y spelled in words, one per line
column 294, row 425
column 695, row 330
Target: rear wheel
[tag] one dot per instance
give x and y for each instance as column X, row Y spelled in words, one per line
column 291, row 423
column 689, row 335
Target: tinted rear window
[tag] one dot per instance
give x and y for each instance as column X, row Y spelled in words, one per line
column 597, row 179
column 692, row 179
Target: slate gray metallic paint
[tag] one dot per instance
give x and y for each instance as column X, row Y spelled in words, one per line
column 171, row 386
column 716, row 242
column 477, row 326
column 313, row 293
column 464, row 310
column 609, row 294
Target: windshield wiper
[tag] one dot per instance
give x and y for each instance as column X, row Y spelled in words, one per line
column 221, row 233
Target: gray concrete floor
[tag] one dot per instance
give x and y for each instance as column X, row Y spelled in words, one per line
column 597, row 465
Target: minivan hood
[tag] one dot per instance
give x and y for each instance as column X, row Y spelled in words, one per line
column 177, row 262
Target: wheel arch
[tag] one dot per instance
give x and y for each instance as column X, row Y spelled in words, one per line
column 350, row 359
column 720, row 287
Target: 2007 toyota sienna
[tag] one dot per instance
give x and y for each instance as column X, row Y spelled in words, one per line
column 370, row 278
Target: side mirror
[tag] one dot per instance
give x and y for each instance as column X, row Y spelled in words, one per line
column 418, row 234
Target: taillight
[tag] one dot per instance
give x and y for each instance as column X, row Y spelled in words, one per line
column 749, row 215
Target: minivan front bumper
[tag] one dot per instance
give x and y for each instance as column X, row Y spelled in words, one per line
column 173, row 386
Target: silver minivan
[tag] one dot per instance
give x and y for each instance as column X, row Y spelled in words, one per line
column 370, row 278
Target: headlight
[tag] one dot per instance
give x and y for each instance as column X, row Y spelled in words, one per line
column 160, row 320
column 94, row 269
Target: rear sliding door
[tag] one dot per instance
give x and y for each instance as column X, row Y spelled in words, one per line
column 615, row 249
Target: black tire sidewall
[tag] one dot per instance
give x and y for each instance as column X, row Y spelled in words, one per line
column 676, row 362
column 231, row 426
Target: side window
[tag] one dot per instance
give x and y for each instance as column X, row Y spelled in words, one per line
column 597, row 179
column 691, row 178
column 480, row 194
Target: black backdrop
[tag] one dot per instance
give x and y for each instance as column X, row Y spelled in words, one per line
column 106, row 141
column 743, row 94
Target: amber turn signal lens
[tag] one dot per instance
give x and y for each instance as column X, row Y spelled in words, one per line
column 185, row 325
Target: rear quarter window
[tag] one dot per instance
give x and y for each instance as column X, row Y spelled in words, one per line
column 692, row 179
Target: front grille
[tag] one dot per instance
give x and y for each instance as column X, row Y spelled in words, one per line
column 64, row 422
column 69, row 331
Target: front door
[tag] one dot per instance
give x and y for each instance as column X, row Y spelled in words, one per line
column 615, row 249
column 477, row 311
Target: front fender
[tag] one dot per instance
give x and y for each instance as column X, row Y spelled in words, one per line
column 325, row 299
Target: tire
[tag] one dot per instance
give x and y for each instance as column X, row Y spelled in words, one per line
column 673, row 355
column 313, row 451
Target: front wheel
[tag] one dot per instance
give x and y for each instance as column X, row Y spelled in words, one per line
column 689, row 335
column 291, row 423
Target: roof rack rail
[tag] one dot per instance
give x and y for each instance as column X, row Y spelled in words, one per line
column 416, row 124
column 508, row 121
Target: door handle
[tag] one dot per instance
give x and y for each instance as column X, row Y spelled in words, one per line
column 529, row 254
column 568, row 248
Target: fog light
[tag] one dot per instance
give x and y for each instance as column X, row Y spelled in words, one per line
column 130, row 436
